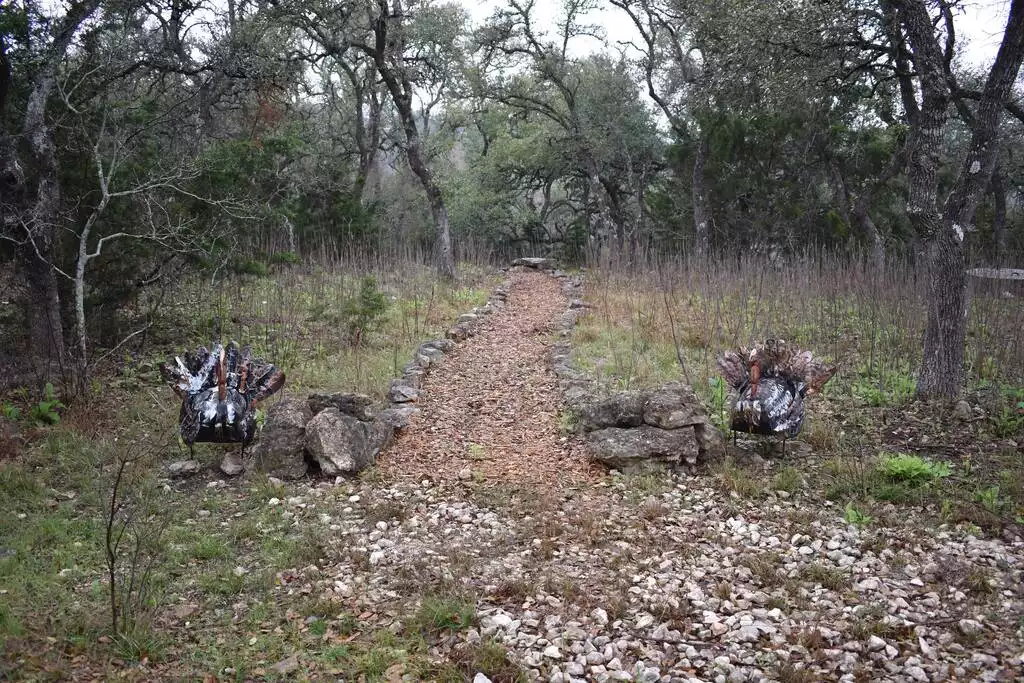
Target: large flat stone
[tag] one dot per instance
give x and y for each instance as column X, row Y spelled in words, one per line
column 623, row 409
column 359, row 406
column 341, row 444
column 673, row 406
column 280, row 451
column 644, row 449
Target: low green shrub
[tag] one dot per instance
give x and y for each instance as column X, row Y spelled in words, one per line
column 912, row 469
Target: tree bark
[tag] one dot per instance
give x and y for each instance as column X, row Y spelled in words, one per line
column 941, row 370
column 701, row 202
column 414, row 152
column 38, row 198
column 46, row 333
column 385, row 50
column 46, row 336
column 604, row 225
column 367, row 111
column 866, row 226
column 998, row 189
column 942, row 366
column 616, row 213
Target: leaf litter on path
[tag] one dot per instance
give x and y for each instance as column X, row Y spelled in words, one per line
column 493, row 405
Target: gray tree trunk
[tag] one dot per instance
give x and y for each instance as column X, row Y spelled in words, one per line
column 998, row 189
column 46, row 336
column 414, row 152
column 942, row 366
column 37, row 203
column 385, row 49
column 866, row 226
column 701, row 202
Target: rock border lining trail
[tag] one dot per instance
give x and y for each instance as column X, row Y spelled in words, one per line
column 494, row 414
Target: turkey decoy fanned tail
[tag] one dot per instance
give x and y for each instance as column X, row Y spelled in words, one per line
column 772, row 381
column 220, row 390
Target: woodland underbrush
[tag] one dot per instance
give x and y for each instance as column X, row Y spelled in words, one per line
column 71, row 524
column 337, row 321
column 671, row 320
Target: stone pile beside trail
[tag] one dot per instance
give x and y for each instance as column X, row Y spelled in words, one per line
column 654, row 430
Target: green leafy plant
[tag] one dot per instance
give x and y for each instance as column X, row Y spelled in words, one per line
column 990, row 499
column 718, row 394
column 912, row 469
column 10, row 411
column 884, row 388
column 1009, row 420
column 568, row 421
column 45, row 412
column 854, row 516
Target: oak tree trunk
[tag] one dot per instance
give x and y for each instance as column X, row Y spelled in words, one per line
column 46, row 337
column 46, row 333
column 701, row 202
column 414, row 152
column 942, row 366
column 384, row 52
column 34, row 185
column 868, row 229
column 998, row 189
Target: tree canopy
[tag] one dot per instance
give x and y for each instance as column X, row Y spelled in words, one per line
column 136, row 138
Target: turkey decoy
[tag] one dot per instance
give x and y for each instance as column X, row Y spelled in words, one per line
column 772, row 380
column 219, row 392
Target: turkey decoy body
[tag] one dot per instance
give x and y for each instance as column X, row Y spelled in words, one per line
column 219, row 392
column 772, row 381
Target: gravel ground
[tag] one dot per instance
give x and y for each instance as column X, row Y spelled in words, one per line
column 492, row 409
column 610, row 578
column 608, row 584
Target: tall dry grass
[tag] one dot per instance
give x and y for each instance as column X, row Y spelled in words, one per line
column 660, row 317
column 299, row 314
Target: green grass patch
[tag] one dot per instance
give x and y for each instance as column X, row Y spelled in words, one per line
column 623, row 357
column 884, row 386
column 828, row 577
column 733, row 478
column 639, row 488
column 332, row 326
column 438, row 613
column 787, row 479
column 210, row 548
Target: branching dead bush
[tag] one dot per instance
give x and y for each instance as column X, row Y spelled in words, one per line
column 134, row 527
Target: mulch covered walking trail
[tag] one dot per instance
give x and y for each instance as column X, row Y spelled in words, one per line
column 493, row 405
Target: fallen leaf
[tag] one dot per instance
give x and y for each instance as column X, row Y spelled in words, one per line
column 182, row 612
